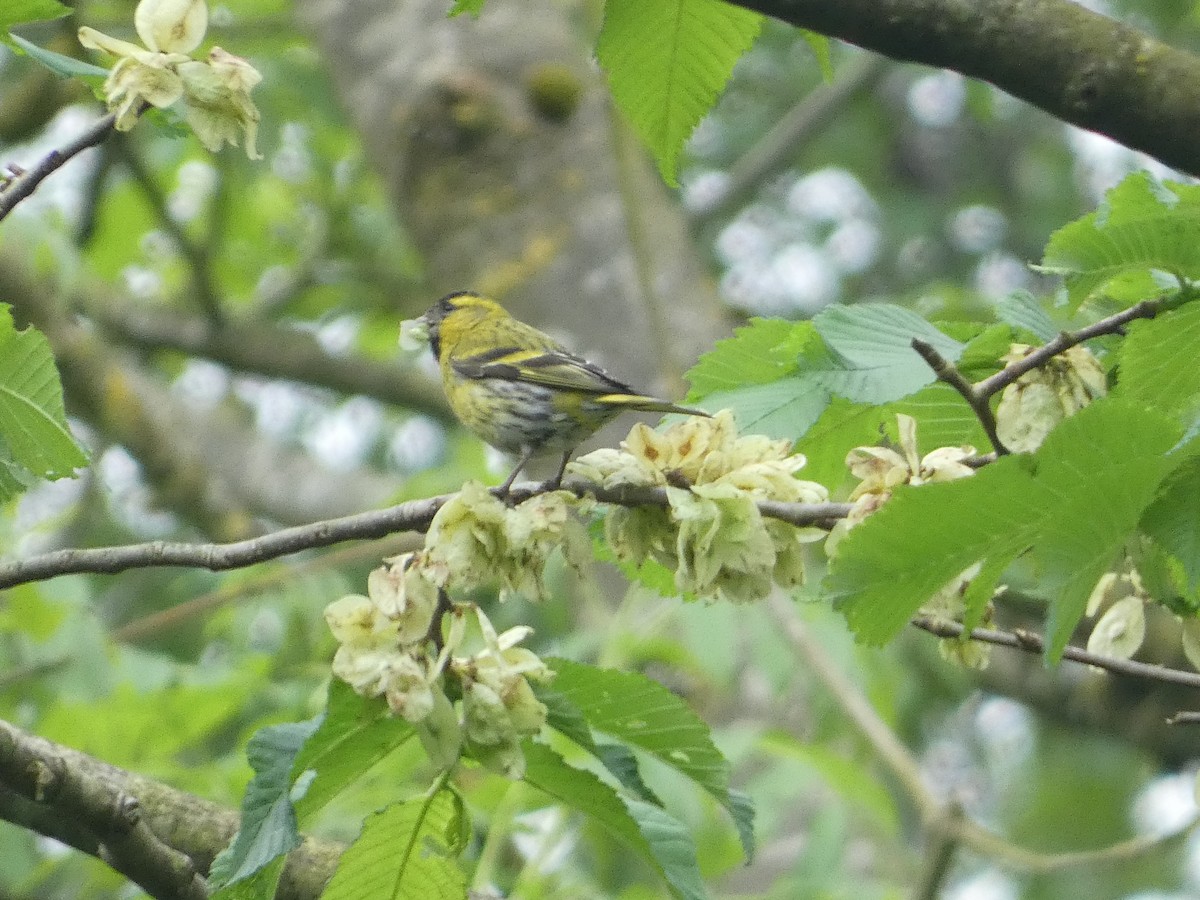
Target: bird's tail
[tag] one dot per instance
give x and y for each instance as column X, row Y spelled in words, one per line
column 649, row 404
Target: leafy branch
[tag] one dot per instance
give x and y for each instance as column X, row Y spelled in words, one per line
column 414, row 515
column 978, row 395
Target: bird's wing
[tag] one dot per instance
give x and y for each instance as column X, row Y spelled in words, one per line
column 548, row 368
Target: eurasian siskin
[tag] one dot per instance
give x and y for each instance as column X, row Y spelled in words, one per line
column 517, row 388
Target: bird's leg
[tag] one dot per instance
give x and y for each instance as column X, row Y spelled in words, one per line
column 556, row 482
column 526, row 455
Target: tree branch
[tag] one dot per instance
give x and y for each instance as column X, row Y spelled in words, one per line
column 1113, row 324
column 1078, row 65
column 27, row 182
column 1034, row 644
column 88, row 804
column 948, row 372
column 107, row 819
column 414, row 515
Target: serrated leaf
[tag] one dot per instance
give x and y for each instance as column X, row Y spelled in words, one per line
column 33, row 423
column 843, row 426
column 760, row 352
column 19, row 12
column 981, row 356
column 14, row 479
column 871, row 359
column 1158, row 361
column 1022, row 310
column 643, row 713
column 1143, row 226
column 261, row 884
column 660, row 839
column 354, row 734
column 1172, row 521
column 620, row 761
column 564, row 717
column 406, row 851
column 667, row 61
column 64, row 66
column 1071, row 505
column 943, row 419
column 269, row 827
column 786, row 408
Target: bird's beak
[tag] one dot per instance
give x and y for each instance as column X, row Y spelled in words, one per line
column 414, row 334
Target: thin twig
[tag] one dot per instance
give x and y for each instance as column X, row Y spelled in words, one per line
column 1113, row 324
column 948, row 372
column 27, row 182
column 414, row 515
column 1034, row 644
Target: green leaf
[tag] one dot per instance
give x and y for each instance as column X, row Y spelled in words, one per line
column 981, row 356
column 14, row 479
column 269, row 828
column 667, row 61
column 65, row 66
column 261, row 884
column 758, row 353
column 660, row 839
column 19, row 12
column 355, row 733
column 943, row 419
column 870, row 358
column 1071, row 505
column 1158, row 362
column 1142, row 227
column 565, row 717
column 643, row 713
column 472, row 7
column 621, row 762
column 843, row 426
column 786, row 408
column 406, row 852
column 1022, row 310
column 1172, row 521
column 33, row 423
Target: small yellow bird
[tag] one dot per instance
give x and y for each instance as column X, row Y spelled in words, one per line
column 517, row 388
